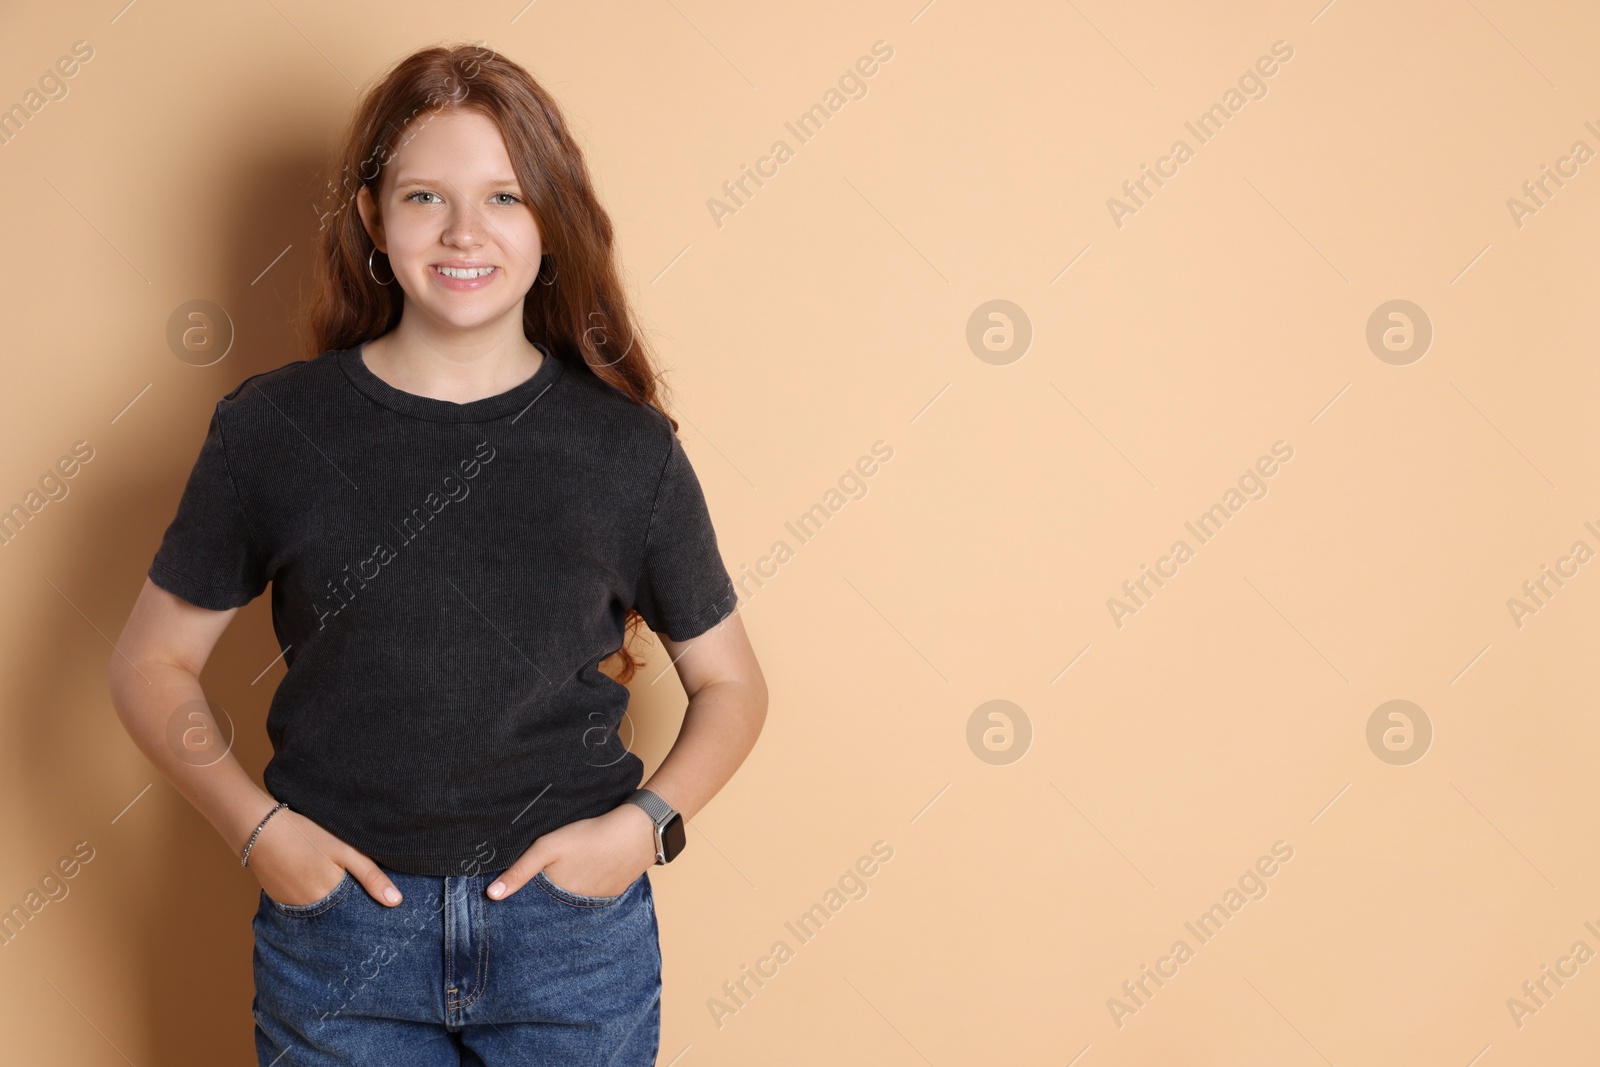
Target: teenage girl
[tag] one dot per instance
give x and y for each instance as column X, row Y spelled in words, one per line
column 466, row 501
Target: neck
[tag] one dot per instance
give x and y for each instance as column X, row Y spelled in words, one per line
column 449, row 364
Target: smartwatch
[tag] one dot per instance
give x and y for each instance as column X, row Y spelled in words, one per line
column 670, row 837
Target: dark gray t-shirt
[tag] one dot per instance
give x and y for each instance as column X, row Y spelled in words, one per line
column 446, row 579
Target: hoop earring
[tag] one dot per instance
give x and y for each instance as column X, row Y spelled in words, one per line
column 539, row 276
column 369, row 267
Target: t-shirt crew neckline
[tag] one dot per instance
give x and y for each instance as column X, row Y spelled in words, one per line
column 435, row 410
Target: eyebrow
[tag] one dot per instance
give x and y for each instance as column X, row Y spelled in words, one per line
column 498, row 183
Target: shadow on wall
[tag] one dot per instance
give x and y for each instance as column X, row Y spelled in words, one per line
column 193, row 933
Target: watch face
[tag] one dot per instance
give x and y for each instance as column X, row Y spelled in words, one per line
column 673, row 837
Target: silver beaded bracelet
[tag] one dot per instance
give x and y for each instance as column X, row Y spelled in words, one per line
column 245, row 861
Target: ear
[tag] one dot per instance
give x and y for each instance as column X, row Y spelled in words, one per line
column 370, row 217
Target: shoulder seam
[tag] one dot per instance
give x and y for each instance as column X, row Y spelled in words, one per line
column 238, row 498
column 661, row 476
column 236, row 390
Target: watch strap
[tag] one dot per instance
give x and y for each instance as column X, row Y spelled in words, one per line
column 667, row 820
column 658, row 810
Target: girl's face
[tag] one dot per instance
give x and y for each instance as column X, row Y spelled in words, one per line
column 460, row 236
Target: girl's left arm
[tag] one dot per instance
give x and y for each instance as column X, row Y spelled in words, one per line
column 727, row 708
column 727, row 693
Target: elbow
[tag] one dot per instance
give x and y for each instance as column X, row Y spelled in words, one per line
column 757, row 704
column 121, row 675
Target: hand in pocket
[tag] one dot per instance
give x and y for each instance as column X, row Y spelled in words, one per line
column 597, row 857
column 297, row 863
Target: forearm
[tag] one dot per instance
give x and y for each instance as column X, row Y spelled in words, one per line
column 720, row 728
column 147, row 700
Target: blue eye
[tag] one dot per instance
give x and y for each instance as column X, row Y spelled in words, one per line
column 420, row 192
column 514, row 197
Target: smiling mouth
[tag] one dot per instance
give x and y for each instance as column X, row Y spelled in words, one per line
column 465, row 273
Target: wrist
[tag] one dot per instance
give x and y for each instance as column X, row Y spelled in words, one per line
column 667, row 821
column 277, row 809
column 637, row 816
column 235, row 816
column 643, row 826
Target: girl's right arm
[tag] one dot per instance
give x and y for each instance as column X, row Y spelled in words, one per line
column 155, row 679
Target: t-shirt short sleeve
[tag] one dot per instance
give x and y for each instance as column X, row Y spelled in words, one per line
column 208, row 555
column 684, row 589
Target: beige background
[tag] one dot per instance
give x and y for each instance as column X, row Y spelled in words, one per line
column 830, row 312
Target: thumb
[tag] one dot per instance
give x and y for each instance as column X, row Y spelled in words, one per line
column 516, row 876
column 372, row 878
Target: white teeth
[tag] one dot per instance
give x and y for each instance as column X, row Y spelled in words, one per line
column 464, row 272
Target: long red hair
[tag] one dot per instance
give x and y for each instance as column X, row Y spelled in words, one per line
column 577, row 308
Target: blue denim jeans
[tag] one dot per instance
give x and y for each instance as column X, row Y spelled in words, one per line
column 449, row 976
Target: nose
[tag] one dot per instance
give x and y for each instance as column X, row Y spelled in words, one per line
column 465, row 228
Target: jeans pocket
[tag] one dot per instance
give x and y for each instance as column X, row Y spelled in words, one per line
column 567, row 896
column 340, row 890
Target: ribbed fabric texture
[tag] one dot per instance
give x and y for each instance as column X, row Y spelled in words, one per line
column 446, row 579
